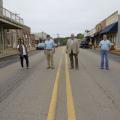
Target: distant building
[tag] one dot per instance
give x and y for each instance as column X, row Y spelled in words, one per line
column 41, row 36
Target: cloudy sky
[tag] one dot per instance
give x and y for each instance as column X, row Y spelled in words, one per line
column 62, row 16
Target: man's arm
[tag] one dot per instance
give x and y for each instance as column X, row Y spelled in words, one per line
column 78, row 47
column 53, row 46
column 18, row 48
column 100, row 44
column 110, row 44
column 67, row 47
column 45, row 48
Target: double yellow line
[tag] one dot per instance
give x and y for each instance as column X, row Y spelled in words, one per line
column 53, row 104
column 70, row 103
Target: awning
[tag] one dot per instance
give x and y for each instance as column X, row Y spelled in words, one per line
column 111, row 28
column 96, row 34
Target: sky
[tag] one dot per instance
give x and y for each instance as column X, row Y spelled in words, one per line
column 62, row 17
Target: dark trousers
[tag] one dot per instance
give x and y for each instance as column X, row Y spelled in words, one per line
column 73, row 57
column 22, row 59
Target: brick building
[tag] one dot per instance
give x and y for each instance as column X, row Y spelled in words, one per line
column 8, row 20
column 11, row 29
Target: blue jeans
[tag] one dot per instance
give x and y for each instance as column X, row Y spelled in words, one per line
column 104, row 59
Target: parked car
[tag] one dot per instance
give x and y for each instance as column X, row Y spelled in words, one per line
column 84, row 44
column 56, row 45
column 40, row 46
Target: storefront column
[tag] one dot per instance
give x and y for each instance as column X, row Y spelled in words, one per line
column 14, row 38
column 118, row 34
column 1, row 39
column 1, row 6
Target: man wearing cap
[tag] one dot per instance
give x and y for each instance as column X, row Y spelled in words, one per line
column 72, row 49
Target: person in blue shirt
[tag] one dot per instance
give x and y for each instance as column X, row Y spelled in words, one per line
column 105, row 45
column 49, row 51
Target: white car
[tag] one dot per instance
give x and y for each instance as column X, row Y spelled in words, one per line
column 40, row 46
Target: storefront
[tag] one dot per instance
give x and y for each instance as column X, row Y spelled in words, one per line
column 111, row 27
column 111, row 32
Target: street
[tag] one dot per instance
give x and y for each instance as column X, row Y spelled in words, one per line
column 60, row 94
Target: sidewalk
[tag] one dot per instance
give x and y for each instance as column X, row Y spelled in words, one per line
column 8, row 52
column 116, row 52
column 11, row 52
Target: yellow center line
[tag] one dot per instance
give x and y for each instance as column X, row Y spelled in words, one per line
column 53, row 103
column 70, row 103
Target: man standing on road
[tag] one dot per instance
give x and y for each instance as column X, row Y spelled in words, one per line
column 49, row 51
column 23, row 53
column 72, row 49
column 105, row 47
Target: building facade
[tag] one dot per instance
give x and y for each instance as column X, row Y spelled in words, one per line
column 109, row 26
column 11, row 29
column 8, row 20
column 12, row 36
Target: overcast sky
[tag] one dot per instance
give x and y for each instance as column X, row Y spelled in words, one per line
column 62, row 16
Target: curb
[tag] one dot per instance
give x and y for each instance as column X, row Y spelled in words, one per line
column 13, row 55
column 115, row 53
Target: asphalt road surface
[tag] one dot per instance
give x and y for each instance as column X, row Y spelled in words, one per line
column 60, row 94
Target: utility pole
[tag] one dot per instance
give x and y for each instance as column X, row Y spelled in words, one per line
column 1, row 28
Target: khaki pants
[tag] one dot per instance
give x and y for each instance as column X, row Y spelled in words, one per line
column 49, row 55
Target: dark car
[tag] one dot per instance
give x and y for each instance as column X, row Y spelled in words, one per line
column 84, row 44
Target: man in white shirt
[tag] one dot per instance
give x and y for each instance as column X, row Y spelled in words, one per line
column 23, row 53
column 105, row 45
column 49, row 51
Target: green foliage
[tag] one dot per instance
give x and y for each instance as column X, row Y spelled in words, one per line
column 62, row 41
column 80, row 36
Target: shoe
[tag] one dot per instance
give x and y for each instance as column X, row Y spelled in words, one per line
column 71, row 68
column 48, row 67
column 52, row 67
column 107, row 69
column 77, row 68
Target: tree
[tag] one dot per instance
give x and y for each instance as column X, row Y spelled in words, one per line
column 62, row 40
column 80, row 36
